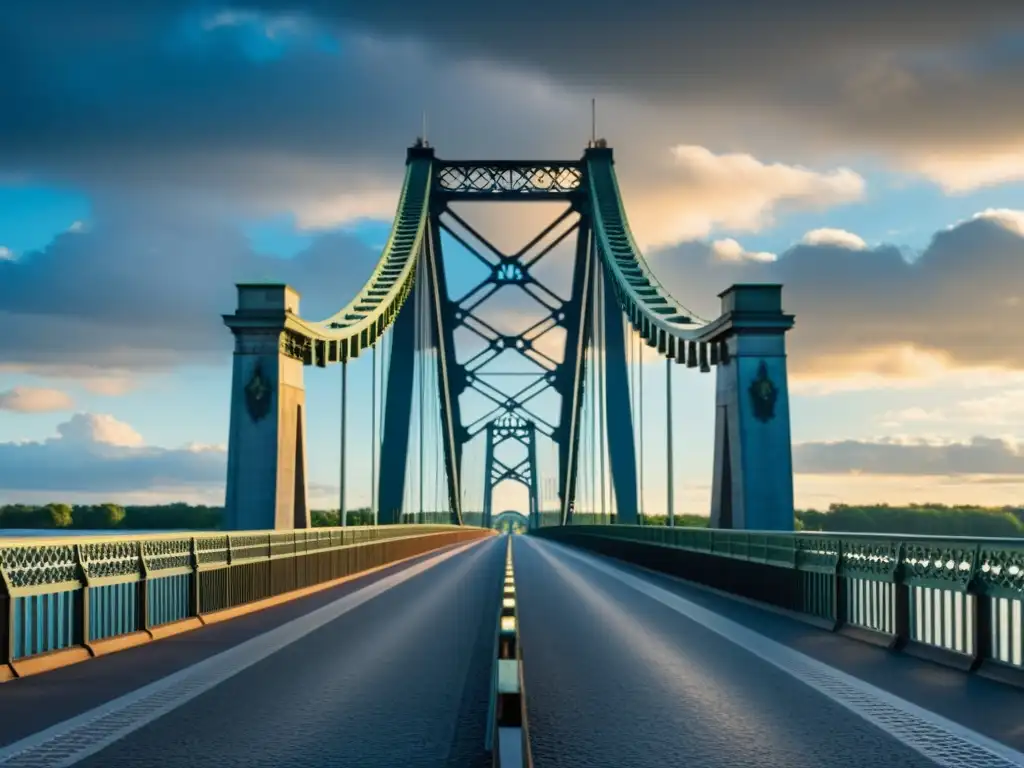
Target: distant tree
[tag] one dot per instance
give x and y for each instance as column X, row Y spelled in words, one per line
column 26, row 516
column 98, row 516
column 681, row 521
column 324, row 518
column 330, row 518
column 58, row 515
column 177, row 515
column 928, row 518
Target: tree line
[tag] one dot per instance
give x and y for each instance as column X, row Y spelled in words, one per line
column 177, row 516
column 928, row 519
column 924, row 519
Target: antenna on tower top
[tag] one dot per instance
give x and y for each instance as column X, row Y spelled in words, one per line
column 593, row 122
column 425, row 129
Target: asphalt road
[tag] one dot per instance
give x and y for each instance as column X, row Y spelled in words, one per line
column 402, row 679
column 615, row 677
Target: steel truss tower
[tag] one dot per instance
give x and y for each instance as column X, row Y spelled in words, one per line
column 510, row 181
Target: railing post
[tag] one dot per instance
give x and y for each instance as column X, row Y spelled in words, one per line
column 982, row 614
column 193, row 593
column 227, row 572
column 901, row 603
column 839, row 590
column 143, row 587
column 7, row 604
column 270, row 565
column 82, row 606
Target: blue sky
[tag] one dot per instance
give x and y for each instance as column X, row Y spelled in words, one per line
column 203, row 147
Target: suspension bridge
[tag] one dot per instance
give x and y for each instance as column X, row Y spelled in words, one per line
column 429, row 638
column 523, row 394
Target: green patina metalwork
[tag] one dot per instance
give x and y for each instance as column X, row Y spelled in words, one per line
column 658, row 317
column 999, row 569
column 951, row 596
column 359, row 325
column 57, row 593
column 994, row 567
column 39, row 566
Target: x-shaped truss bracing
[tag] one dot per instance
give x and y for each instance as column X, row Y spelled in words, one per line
column 504, row 429
column 509, row 270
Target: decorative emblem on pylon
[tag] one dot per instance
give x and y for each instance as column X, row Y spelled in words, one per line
column 763, row 394
column 257, row 394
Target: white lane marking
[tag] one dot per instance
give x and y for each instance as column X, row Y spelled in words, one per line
column 943, row 741
column 79, row 737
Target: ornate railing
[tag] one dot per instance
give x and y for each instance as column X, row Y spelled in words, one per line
column 57, row 594
column 953, row 599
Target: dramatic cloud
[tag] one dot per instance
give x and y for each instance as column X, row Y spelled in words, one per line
column 815, row 75
column 34, row 400
column 980, row 456
column 737, row 192
column 302, row 107
column 144, row 291
column 254, row 110
column 97, row 453
column 872, row 75
column 159, row 284
column 871, row 311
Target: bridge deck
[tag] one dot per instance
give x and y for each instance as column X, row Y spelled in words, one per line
column 622, row 668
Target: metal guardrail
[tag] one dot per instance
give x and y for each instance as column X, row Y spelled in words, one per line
column 957, row 600
column 71, row 592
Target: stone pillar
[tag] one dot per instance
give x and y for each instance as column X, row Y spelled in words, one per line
column 752, row 487
column 266, row 483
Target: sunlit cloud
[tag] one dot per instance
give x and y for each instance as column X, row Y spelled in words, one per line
column 35, row 400
column 830, row 236
column 702, row 191
column 730, row 250
column 899, row 365
column 963, row 172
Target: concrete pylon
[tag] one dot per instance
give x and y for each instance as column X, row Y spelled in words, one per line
column 752, row 487
column 266, row 483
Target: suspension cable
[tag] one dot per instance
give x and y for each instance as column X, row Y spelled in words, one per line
column 421, row 308
column 342, row 509
column 640, row 377
column 594, row 414
column 602, row 406
column 670, row 490
column 373, row 436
